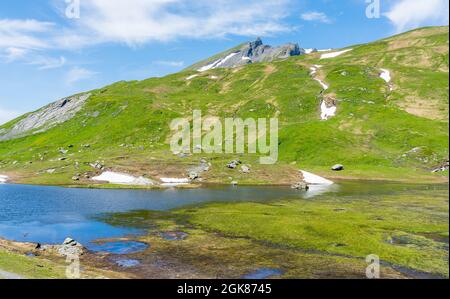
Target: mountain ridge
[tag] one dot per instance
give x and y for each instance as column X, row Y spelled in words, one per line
column 247, row 53
column 377, row 131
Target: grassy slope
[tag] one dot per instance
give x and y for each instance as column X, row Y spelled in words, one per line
column 370, row 134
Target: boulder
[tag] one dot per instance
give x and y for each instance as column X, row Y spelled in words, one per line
column 245, row 169
column 96, row 165
column 300, row 186
column 337, row 167
column 234, row 164
column 193, row 175
column 70, row 247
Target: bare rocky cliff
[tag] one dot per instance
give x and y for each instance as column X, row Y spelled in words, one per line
column 45, row 118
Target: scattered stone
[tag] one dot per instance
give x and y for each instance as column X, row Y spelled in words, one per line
column 63, row 151
column 173, row 236
column 193, row 175
column 97, row 165
column 245, row 169
column 234, row 164
column 443, row 167
column 234, row 183
column 337, row 167
column 300, row 186
column 62, row 159
column 76, row 178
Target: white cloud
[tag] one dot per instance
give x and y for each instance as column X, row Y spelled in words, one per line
column 24, row 34
column 77, row 74
column 46, row 63
column 12, row 54
column 170, row 63
column 7, row 115
column 24, row 40
column 409, row 14
column 314, row 16
column 136, row 22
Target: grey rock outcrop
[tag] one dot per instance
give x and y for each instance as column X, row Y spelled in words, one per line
column 45, row 118
column 252, row 52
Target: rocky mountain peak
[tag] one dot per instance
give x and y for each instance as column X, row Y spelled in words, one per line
column 252, row 52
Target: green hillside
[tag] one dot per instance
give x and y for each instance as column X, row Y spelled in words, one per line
column 381, row 131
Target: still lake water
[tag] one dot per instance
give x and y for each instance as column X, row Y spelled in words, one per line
column 50, row 214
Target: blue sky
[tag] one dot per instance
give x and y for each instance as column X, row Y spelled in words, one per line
column 48, row 52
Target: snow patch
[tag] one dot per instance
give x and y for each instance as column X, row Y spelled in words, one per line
column 327, row 112
column 334, row 54
column 309, row 51
column 246, row 58
column 217, row 63
column 173, row 182
column 191, row 77
column 122, row 179
column 324, row 86
column 313, row 179
column 385, row 75
column 3, row 179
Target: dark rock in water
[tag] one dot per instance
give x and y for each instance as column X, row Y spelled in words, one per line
column 263, row 273
column 173, row 236
column 337, row 167
column 128, row 263
column 120, row 247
